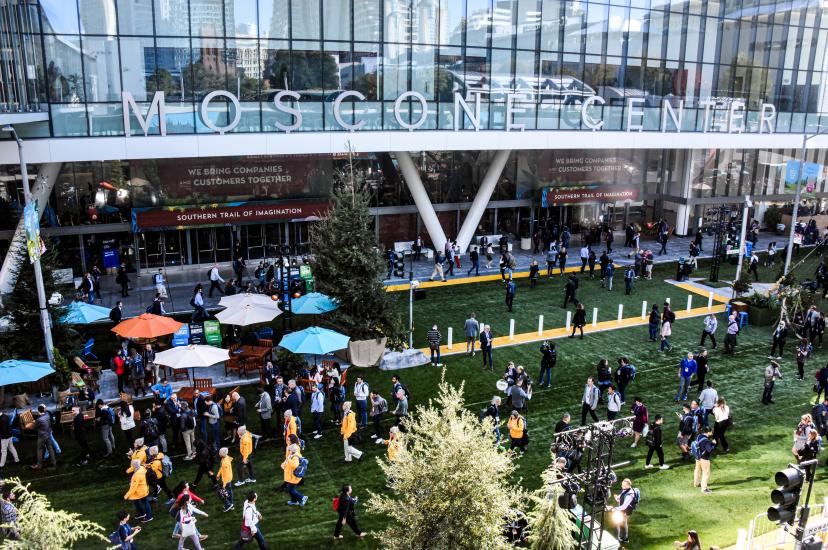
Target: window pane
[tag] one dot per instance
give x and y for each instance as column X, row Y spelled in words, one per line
column 304, row 16
column 575, row 14
column 98, row 17
column 59, row 16
column 240, row 18
column 135, row 17
column 273, row 18
column 209, row 68
column 424, row 28
column 337, row 20
column 174, row 68
column 691, row 49
column 674, row 36
column 245, row 66
column 451, row 22
column 172, row 17
column 596, row 28
column 103, row 79
column 477, row 22
column 528, row 23
column 366, row 20
column 637, row 29
column 551, row 25
column 618, row 25
column 366, row 66
column 138, row 59
column 63, row 73
column 503, row 24
column 395, row 71
column 208, row 18
column 656, row 32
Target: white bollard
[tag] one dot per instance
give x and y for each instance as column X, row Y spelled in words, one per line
column 710, row 301
column 644, row 309
column 741, row 539
column 594, row 316
column 540, row 325
column 511, row 329
column 450, row 337
column 568, row 319
column 668, row 301
column 689, row 303
column 620, row 312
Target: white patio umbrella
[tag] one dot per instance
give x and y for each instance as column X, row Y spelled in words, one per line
column 192, row 357
column 244, row 298
column 247, row 313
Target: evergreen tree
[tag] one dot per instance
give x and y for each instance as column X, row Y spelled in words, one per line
column 348, row 265
column 550, row 526
column 41, row 527
column 24, row 340
column 449, row 485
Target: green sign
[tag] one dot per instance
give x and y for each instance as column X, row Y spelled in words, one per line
column 212, row 333
column 305, row 272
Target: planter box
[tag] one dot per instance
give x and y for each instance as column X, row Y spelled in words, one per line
column 761, row 316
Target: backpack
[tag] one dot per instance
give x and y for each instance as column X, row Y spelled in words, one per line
column 695, row 449
column 149, row 308
column 631, row 372
column 298, row 425
column 111, row 414
column 649, row 439
column 166, row 466
column 188, row 421
column 151, row 430
column 636, row 499
column 672, row 316
column 115, row 538
column 302, row 468
column 688, row 424
column 336, row 504
column 405, row 390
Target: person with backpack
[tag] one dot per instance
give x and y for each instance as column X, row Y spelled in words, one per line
column 708, row 399
column 517, row 432
column 624, row 374
column 344, row 505
column 730, row 336
column 613, row 403
column 225, row 479
column 160, row 468
column 105, row 416
column 627, row 501
column 687, row 368
column 709, row 330
column 206, row 460
column 511, row 289
column 188, row 426
column 124, row 535
column 433, row 336
column 379, row 406
column 702, row 449
column 589, row 401
column 250, row 523
column 137, row 373
column 348, row 431
column 246, row 452
column 549, row 358
column 292, row 467
column 318, row 409
column 687, row 427
column 655, row 442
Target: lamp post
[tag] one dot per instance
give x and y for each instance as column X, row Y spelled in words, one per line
column 742, row 241
column 41, row 292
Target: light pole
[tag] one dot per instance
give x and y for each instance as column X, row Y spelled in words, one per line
column 795, row 211
column 41, row 292
column 742, row 242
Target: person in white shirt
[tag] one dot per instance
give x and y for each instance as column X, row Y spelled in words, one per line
column 317, row 409
column 584, row 258
column 721, row 412
column 215, row 279
column 708, row 399
column 250, row 523
column 710, row 326
column 613, row 402
column 361, row 391
column 160, row 283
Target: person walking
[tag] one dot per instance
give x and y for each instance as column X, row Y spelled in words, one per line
column 709, row 330
column 493, row 412
column 121, row 278
column 584, row 258
column 653, row 323
column 379, row 406
column 246, row 452
column 589, row 401
column 361, row 392
column 250, row 523
column 79, row 433
column 730, row 336
column 703, row 453
column 317, row 410
column 486, row 339
column 105, row 416
column 225, row 479
column 578, row 320
column 472, row 329
column 117, row 312
column 549, row 358
column 569, row 290
column 613, row 403
column 562, row 259
column 666, row 332
column 551, row 259
column 687, row 368
column 821, row 382
column 348, row 430
column 624, row 374
column 803, row 350
column 474, row 259
column 433, row 336
column 707, row 401
column 215, row 280
column 345, row 505
column 655, row 444
column 702, row 368
column 160, row 282
column 138, row 492
column 292, row 467
column 511, row 288
column 641, row 419
column 45, row 441
column 197, row 303
column 772, row 373
column 754, row 266
column 206, row 460
column 6, row 440
column 517, row 432
column 629, row 278
column 721, row 413
column 187, row 521
column 627, row 502
column 126, row 533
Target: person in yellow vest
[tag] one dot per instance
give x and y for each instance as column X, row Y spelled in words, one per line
column 291, row 479
column 289, row 427
column 246, row 451
column 225, row 479
column 138, row 492
column 139, row 453
column 157, row 479
column 393, row 443
column 348, row 429
column 517, row 431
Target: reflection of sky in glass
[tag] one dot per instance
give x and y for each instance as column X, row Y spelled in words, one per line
column 60, row 16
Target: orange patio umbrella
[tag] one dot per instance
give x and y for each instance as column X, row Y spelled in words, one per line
column 146, row 325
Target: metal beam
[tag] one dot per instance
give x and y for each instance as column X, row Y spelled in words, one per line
column 421, row 200
column 481, row 200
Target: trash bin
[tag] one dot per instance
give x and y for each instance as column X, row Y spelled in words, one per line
column 680, row 269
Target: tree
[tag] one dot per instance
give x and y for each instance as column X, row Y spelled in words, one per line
column 20, row 308
column 349, row 267
column 550, row 526
column 42, row 527
column 449, row 485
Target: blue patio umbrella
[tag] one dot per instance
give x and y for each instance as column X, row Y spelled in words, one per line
column 314, row 303
column 314, row 340
column 15, row 371
column 81, row 313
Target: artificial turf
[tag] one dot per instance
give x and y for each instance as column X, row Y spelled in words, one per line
column 741, row 481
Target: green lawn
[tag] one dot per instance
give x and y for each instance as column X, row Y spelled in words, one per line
column 740, row 480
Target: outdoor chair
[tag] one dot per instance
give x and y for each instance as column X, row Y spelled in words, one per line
column 66, row 417
column 233, row 365
column 265, row 343
column 27, row 422
column 87, row 350
column 180, row 374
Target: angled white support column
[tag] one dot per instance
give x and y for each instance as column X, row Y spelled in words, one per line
column 481, row 200
column 45, row 181
column 421, row 200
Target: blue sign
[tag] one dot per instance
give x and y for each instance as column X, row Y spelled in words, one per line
column 181, row 337
column 196, row 333
column 111, row 258
column 748, row 248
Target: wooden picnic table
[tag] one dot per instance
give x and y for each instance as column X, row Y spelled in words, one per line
column 255, row 352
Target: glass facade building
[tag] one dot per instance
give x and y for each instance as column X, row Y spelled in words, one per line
column 550, row 53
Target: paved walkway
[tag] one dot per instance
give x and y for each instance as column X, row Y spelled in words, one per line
column 563, row 332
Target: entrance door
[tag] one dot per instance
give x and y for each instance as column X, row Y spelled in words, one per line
column 206, row 245
column 224, row 243
column 161, row 248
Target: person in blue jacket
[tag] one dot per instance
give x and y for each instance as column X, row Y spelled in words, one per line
column 686, row 371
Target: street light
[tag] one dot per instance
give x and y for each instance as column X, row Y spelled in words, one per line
column 41, row 292
column 795, row 212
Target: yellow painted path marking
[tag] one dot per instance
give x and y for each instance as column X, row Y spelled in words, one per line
column 479, row 279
